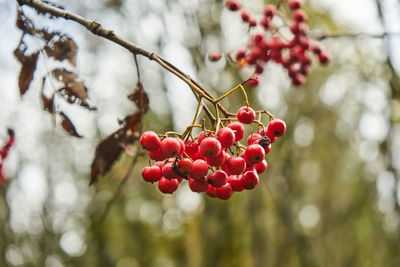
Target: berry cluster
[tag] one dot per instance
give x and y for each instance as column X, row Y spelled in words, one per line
column 4, row 153
column 208, row 161
column 268, row 45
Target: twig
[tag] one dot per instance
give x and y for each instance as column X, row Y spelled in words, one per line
column 120, row 187
column 354, row 35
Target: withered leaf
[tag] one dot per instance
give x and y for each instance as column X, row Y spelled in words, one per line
column 68, row 126
column 140, row 98
column 73, row 85
column 64, row 48
column 108, row 151
column 27, row 70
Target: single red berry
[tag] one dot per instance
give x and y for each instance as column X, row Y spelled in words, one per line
column 259, row 70
column 225, row 192
column 254, row 154
column 277, row 127
column 150, row 141
column 226, row 137
column 266, row 23
column 170, row 147
column 233, row 5
column 269, row 11
column 157, row 155
column 261, row 167
column 295, row 4
column 254, row 80
column 199, row 169
column 217, row 161
column 168, row 186
column 210, row 147
column 203, row 135
column 217, row 178
column 236, row 165
column 252, row 138
column 250, row 180
column 246, row 115
column 323, row 58
column 299, row 15
column 168, row 171
column 240, row 54
column 298, row 79
column 184, row 167
column 298, row 28
column 316, row 49
column 211, row 191
column 236, row 183
column 191, row 148
column 214, row 56
column 238, row 129
column 198, row 185
column 245, row 16
column 252, row 22
column 151, row 174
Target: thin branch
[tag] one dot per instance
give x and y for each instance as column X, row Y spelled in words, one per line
column 354, row 35
column 120, row 187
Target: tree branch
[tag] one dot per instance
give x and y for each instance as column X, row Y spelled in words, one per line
column 354, row 35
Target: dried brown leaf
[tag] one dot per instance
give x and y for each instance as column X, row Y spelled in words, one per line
column 140, row 98
column 73, row 86
column 27, row 70
column 68, row 126
column 64, row 48
column 108, row 151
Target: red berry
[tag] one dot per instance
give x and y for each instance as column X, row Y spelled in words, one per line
column 252, row 138
column 250, row 180
column 191, row 148
column 210, row 147
column 269, row 11
column 226, row 137
column 225, row 192
column 150, row 141
column 261, row 167
column 157, row 155
column 168, row 171
column 236, row 165
column 233, row 5
column 184, row 167
column 199, row 169
column 168, row 186
column 316, row 49
column 240, row 54
column 218, row 160
column 198, row 186
column 170, row 147
column 252, row 22
column 298, row 79
column 323, row 58
column 236, row 183
column 245, row 16
column 151, row 174
column 254, row 154
column 295, row 4
column 246, row 115
column 203, row 135
column 277, row 127
column 299, row 15
column 217, row 178
column 238, row 129
column 254, row 80
column 214, row 56
column 266, row 23
column 211, row 191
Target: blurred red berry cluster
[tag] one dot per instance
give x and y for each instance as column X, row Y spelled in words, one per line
column 207, row 161
column 267, row 43
column 4, row 153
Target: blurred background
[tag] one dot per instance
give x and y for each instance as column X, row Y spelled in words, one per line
column 330, row 196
